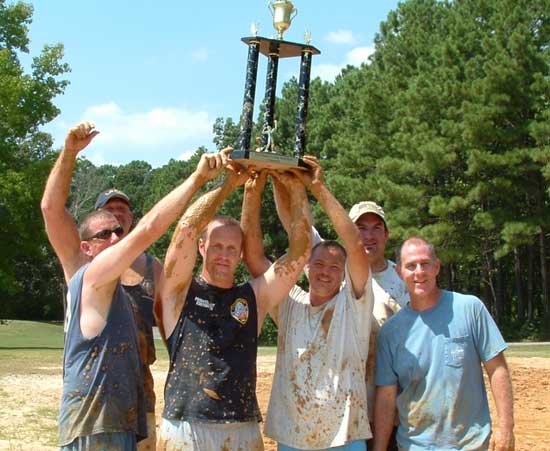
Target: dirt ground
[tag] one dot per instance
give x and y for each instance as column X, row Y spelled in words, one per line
column 29, row 404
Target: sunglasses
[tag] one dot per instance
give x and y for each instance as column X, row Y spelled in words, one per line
column 105, row 234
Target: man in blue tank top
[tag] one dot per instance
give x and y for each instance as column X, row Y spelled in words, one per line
column 212, row 325
column 429, row 364
column 103, row 404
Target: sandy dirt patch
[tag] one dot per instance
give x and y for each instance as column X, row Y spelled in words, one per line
column 29, row 404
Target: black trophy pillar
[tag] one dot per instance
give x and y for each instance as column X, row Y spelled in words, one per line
column 270, row 93
column 303, row 94
column 249, row 94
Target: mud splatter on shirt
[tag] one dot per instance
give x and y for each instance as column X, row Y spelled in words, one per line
column 102, row 379
column 318, row 399
column 212, row 375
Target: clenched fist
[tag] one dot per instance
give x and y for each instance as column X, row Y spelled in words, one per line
column 80, row 136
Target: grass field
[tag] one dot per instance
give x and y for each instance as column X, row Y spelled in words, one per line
column 28, row 347
column 31, row 335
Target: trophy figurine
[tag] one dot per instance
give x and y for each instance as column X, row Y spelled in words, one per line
column 264, row 156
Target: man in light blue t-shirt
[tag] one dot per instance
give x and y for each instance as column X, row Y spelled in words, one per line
column 428, row 364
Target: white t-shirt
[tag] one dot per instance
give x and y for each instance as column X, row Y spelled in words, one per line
column 391, row 283
column 318, row 398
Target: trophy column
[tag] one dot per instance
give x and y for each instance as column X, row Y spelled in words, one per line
column 249, row 94
column 303, row 96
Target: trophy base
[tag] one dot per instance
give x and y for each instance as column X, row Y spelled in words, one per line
column 267, row 160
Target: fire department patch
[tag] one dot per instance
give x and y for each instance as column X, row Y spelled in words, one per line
column 239, row 310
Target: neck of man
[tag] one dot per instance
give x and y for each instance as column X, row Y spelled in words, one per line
column 216, row 281
column 378, row 264
column 425, row 302
column 317, row 300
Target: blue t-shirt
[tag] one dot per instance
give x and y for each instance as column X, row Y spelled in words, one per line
column 434, row 357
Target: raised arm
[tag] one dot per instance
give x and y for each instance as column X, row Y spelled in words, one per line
column 182, row 252
column 501, row 386
column 357, row 261
column 60, row 225
column 274, row 285
column 105, row 269
column 282, row 203
column 253, row 246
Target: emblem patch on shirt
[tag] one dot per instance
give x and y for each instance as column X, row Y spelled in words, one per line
column 239, row 310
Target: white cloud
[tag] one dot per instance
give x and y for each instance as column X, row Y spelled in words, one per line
column 359, row 55
column 107, row 109
column 186, row 155
column 200, row 55
column 97, row 158
column 341, row 37
column 327, row 72
column 354, row 57
column 154, row 136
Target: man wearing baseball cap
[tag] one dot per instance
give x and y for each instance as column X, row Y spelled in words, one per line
column 371, row 221
column 138, row 281
column 390, row 292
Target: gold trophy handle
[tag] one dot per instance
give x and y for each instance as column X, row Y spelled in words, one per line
column 271, row 9
column 294, row 13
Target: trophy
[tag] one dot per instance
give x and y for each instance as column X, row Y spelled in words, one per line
column 264, row 156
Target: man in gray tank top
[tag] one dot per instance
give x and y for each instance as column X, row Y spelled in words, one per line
column 103, row 396
column 139, row 280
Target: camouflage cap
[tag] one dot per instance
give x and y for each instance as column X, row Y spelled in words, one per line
column 367, row 206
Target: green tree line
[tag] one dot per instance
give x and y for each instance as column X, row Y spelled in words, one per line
column 447, row 126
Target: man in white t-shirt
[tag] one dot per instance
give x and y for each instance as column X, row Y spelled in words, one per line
column 370, row 219
column 390, row 292
column 318, row 398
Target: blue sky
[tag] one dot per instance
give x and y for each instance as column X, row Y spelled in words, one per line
column 154, row 76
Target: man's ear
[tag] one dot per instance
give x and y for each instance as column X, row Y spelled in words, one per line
column 398, row 270
column 86, row 249
column 201, row 247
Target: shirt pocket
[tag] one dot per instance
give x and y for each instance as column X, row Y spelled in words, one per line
column 455, row 351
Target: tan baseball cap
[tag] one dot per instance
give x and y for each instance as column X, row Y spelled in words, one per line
column 367, row 206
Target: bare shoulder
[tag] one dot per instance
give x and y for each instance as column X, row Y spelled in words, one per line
column 256, row 284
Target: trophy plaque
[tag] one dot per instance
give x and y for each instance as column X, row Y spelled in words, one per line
column 264, row 156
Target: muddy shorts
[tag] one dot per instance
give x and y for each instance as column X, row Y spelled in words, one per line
column 183, row 436
column 121, row 441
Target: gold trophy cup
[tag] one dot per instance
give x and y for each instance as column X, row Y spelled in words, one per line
column 283, row 12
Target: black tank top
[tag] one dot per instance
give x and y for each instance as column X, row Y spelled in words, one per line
column 212, row 375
